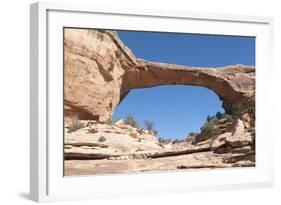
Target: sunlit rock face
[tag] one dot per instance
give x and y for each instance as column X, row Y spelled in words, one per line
column 99, row 71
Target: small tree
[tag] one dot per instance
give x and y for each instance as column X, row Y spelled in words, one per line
column 252, row 107
column 192, row 134
column 164, row 141
column 109, row 121
column 76, row 125
column 228, row 118
column 209, row 129
column 209, row 118
column 150, row 126
column 236, row 109
column 219, row 115
column 176, row 141
column 130, row 121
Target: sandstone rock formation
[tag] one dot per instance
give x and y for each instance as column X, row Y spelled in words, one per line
column 124, row 148
column 99, row 71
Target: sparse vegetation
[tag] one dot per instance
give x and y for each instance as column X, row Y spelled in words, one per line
column 102, row 139
column 164, row 141
column 192, row 134
column 216, row 117
column 131, row 121
column 76, row 125
column 219, row 115
column 229, row 118
column 236, row 110
column 109, row 121
column 176, row 141
column 247, row 106
column 252, row 108
column 209, row 129
column 150, row 126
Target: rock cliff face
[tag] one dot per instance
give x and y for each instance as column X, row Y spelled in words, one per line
column 99, row 71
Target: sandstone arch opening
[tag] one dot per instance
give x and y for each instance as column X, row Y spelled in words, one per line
column 175, row 110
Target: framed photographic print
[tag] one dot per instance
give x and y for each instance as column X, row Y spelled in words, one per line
column 123, row 98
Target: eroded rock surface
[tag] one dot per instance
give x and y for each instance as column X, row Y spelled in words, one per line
column 100, row 71
column 99, row 148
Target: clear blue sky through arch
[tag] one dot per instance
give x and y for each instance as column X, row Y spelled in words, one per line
column 177, row 110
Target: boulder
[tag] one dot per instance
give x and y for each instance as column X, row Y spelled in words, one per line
column 239, row 140
column 239, row 128
column 220, row 140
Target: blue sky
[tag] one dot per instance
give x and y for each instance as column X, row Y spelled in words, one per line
column 177, row 110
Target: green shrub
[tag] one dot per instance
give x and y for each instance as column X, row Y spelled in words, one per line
column 164, row 141
column 252, row 108
column 210, row 118
column 130, row 121
column 109, row 121
column 191, row 134
column 150, row 126
column 219, row 115
column 236, row 109
column 209, row 129
column 76, row 125
column 229, row 118
column 176, row 141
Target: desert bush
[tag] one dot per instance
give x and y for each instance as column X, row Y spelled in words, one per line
column 252, row 108
column 164, row 141
column 102, row 138
column 175, row 141
column 150, row 126
column 109, row 121
column 76, row 125
column 131, row 121
column 192, row 134
column 210, row 118
column 228, row 118
column 219, row 115
column 236, row 109
column 209, row 129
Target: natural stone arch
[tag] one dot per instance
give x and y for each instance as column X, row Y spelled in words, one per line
column 100, row 71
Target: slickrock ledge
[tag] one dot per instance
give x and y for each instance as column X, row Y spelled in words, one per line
column 119, row 147
column 100, row 71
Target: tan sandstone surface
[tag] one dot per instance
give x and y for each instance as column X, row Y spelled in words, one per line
column 124, row 148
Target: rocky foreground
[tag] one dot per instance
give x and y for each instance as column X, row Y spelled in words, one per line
column 96, row 147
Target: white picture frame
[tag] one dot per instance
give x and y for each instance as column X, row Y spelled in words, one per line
column 46, row 145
